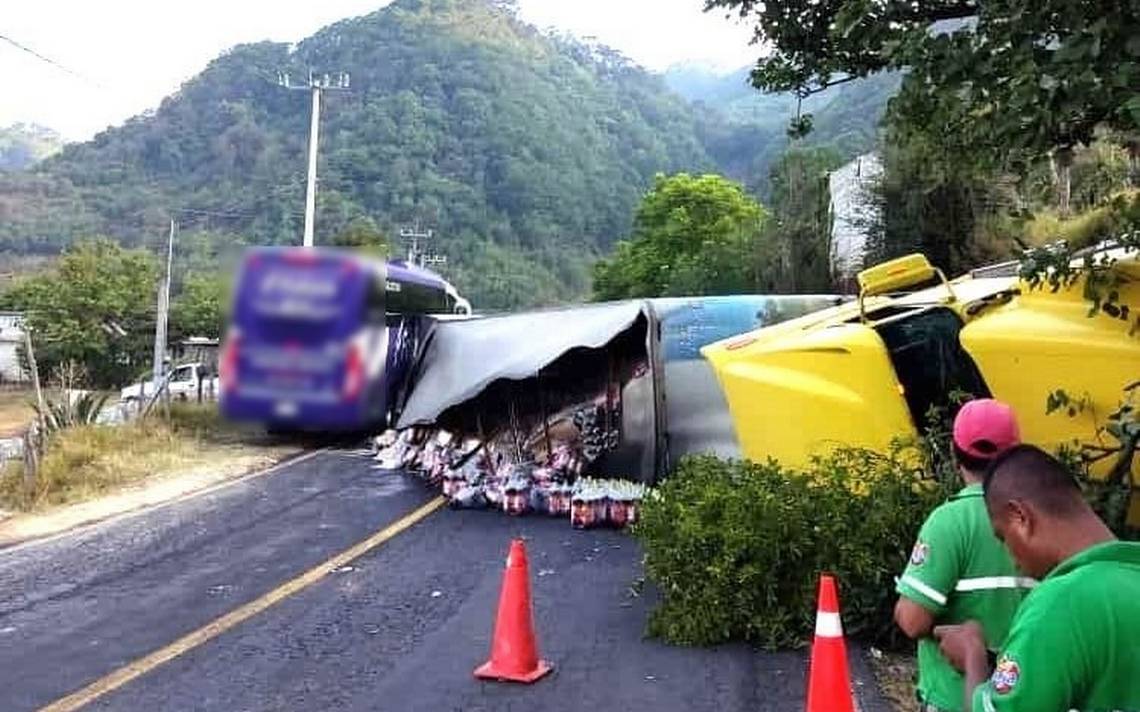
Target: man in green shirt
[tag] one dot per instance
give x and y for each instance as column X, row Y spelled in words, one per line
column 958, row 570
column 1075, row 641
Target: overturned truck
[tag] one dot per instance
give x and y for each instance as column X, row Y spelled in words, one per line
column 624, row 390
column 564, row 401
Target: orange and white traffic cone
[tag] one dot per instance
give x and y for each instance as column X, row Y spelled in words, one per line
column 829, row 681
column 514, row 652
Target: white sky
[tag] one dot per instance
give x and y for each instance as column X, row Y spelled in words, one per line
column 132, row 53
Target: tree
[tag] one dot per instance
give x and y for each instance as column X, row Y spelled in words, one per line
column 200, row 308
column 932, row 200
column 1018, row 80
column 363, row 235
column 798, row 241
column 95, row 308
column 691, row 235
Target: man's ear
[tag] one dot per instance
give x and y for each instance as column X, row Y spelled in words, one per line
column 1022, row 517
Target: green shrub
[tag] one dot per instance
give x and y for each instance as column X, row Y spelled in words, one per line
column 736, row 548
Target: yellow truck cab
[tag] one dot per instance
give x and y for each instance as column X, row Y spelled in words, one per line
column 866, row 372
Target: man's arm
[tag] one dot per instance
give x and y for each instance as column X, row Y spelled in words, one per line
column 914, row 619
column 965, row 647
column 931, row 573
column 1038, row 669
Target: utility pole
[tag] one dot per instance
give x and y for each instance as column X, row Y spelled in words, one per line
column 417, row 253
column 316, row 85
column 311, row 182
column 161, row 313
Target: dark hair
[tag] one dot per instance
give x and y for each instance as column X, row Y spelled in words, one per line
column 973, row 464
column 1030, row 474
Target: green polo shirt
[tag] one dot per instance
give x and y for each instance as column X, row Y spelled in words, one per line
column 1075, row 642
column 959, row 571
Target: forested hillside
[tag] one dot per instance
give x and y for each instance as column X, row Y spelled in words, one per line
column 527, row 153
column 745, row 130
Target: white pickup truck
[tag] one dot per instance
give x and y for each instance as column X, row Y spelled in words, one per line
column 184, row 385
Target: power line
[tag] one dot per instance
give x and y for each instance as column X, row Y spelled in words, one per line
column 50, row 61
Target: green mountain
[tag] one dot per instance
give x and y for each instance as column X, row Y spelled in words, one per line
column 745, row 130
column 22, row 145
column 526, row 152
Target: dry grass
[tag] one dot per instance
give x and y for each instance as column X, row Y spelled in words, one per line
column 15, row 411
column 88, row 461
column 1082, row 229
column 896, row 673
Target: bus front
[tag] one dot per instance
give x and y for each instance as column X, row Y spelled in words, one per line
column 302, row 352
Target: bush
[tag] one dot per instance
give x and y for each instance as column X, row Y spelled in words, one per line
column 736, row 548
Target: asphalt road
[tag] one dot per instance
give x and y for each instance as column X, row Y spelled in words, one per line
column 400, row 628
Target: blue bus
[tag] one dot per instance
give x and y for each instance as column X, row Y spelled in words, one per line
column 324, row 339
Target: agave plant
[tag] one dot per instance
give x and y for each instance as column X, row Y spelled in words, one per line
column 67, row 412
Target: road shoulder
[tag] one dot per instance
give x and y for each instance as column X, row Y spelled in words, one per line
column 154, row 491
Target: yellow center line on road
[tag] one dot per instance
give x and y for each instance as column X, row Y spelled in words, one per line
column 211, row 630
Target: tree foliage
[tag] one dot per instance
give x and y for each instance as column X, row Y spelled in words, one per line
column 798, row 241
column 200, row 308
column 362, row 234
column 94, row 308
column 931, row 201
column 1015, row 78
column 691, row 235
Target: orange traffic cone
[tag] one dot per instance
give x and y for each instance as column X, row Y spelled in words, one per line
column 514, row 653
column 829, row 682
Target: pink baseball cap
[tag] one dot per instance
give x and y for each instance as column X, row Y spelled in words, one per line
column 985, row 428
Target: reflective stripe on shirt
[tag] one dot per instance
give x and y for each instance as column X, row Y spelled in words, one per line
column 988, row 701
column 990, row 583
column 924, row 589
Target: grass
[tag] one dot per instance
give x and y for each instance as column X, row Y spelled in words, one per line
column 1086, row 228
column 15, row 411
column 84, row 462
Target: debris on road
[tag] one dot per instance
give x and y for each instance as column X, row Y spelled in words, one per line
column 475, row 476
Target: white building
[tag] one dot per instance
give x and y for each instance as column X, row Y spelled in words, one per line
column 11, row 338
column 855, row 213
